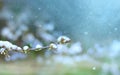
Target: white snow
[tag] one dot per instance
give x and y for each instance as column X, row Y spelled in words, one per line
column 63, row 39
column 38, row 46
column 8, row 45
column 53, row 46
column 25, row 48
column 5, row 45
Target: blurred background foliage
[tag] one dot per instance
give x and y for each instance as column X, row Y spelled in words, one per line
column 93, row 26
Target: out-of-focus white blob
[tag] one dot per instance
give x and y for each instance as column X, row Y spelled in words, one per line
column 105, row 69
column 12, row 25
column 24, row 17
column 72, row 60
column 62, row 49
column 75, row 48
column 16, row 56
column 110, row 68
column 12, row 33
column 46, row 36
column 6, row 32
column 38, row 25
column 66, row 60
column 48, row 27
column 86, row 33
column 77, row 58
column 39, row 8
column 23, row 28
column 36, row 42
column 6, row 13
column 88, row 58
column 114, row 48
column 29, row 38
column 94, row 68
column 115, row 69
column 99, row 50
column 90, row 51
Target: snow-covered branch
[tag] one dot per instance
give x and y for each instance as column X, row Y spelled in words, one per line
column 6, row 46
